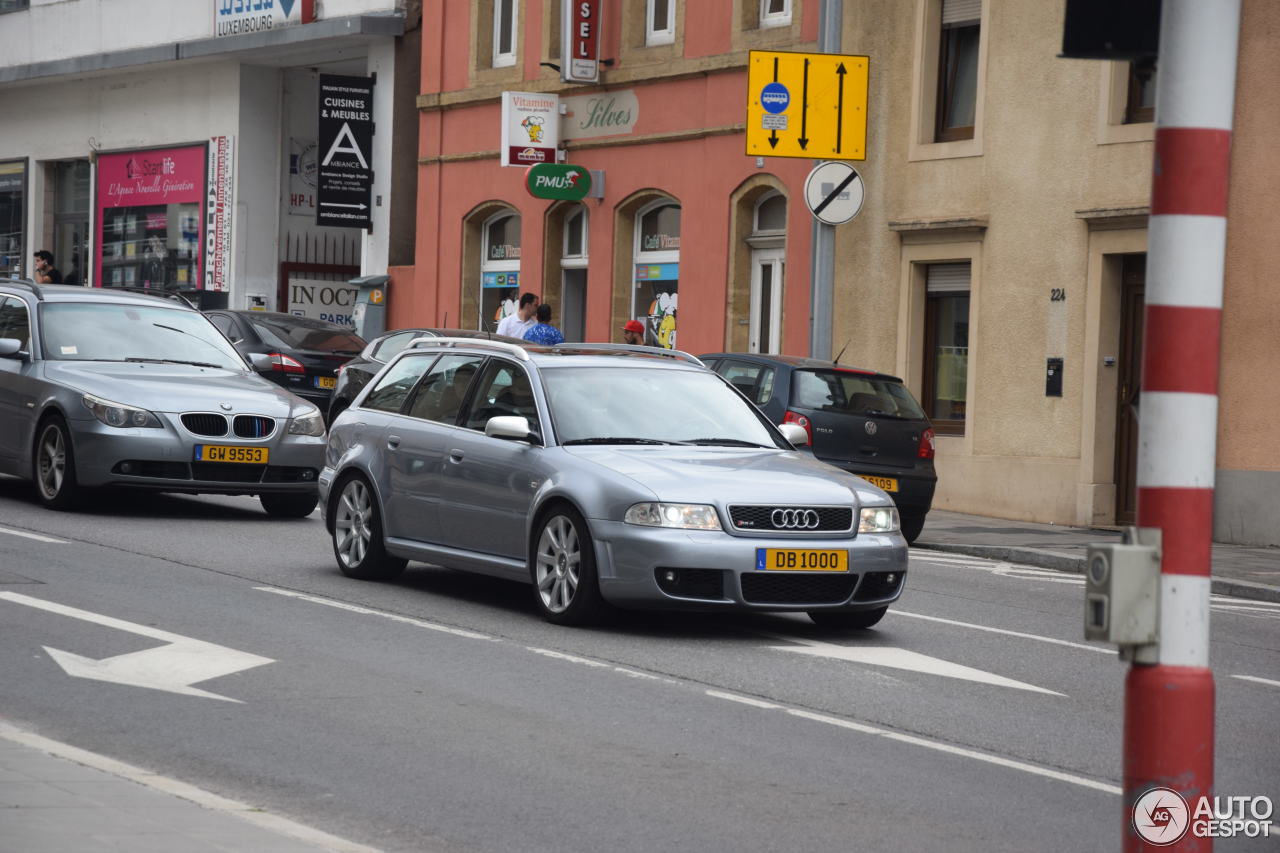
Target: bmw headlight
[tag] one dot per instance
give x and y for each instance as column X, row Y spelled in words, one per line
column 878, row 519
column 684, row 516
column 307, row 423
column 120, row 415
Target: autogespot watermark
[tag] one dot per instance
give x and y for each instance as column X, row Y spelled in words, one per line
column 1162, row 816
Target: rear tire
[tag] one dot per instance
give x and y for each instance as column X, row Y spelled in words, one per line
column 289, row 506
column 912, row 525
column 357, row 533
column 566, row 587
column 855, row 620
column 54, row 466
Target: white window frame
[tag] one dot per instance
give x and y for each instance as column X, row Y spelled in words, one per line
column 577, row 260
column 654, row 36
column 775, row 19
column 500, row 59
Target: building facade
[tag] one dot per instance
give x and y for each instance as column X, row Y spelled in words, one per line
column 172, row 144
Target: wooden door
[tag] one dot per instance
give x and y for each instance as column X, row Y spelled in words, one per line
column 1133, row 279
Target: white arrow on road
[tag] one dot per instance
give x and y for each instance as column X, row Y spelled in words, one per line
column 173, row 667
column 903, row 659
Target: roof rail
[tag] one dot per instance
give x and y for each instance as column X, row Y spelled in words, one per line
column 512, row 349
column 171, row 295
column 27, row 283
column 631, row 348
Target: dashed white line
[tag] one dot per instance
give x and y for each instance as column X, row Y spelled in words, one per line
column 549, row 653
column 1258, row 680
column 745, row 700
column 1006, row 631
column 394, row 617
column 36, row 536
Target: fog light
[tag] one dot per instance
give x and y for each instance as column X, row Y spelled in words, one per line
column 891, row 578
column 308, row 474
column 126, row 468
column 669, row 576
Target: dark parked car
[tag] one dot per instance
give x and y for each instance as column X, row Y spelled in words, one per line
column 356, row 373
column 304, row 353
column 862, row 421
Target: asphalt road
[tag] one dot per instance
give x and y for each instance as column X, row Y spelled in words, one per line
column 440, row 713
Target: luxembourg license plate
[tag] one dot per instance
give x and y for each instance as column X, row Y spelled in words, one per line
column 889, row 484
column 325, row 381
column 224, row 453
column 801, row 560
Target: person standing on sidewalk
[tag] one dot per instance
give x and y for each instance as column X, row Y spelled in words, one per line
column 515, row 325
column 45, row 271
column 543, row 332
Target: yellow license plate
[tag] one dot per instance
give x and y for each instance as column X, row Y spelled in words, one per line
column 325, row 382
column 801, row 560
column 223, row 453
column 889, row 484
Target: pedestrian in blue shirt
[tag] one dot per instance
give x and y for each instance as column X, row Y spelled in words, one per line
column 543, row 332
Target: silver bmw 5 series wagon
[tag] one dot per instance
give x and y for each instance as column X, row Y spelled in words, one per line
column 601, row 474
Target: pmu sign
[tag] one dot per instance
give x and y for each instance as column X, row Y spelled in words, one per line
column 580, row 47
column 558, row 180
column 811, row 105
column 344, row 171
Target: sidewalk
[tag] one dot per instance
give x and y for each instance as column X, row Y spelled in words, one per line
column 56, row 798
column 1239, row 570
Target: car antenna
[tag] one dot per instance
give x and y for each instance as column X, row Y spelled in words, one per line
column 842, row 349
column 446, row 319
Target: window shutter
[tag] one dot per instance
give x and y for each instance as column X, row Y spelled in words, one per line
column 948, row 278
column 961, row 12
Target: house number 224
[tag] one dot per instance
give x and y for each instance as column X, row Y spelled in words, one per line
column 1057, row 294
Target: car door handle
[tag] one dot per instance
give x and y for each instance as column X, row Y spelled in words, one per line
column 456, row 455
column 393, row 442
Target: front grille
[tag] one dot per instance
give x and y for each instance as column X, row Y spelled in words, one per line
column 830, row 519
column 201, row 423
column 692, row 583
column 254, row 426
column 226, row 472
column 796, row 588
column 877, row 585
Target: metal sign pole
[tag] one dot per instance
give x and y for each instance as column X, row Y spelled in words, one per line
column 823, row 255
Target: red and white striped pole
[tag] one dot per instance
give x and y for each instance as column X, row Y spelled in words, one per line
column 1169, row 715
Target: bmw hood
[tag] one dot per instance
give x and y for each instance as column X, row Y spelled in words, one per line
column 732, row 475
column 176, row 387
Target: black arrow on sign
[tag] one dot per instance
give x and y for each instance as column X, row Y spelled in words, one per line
column 840, row 72
column 773, row 135
column 804, row 110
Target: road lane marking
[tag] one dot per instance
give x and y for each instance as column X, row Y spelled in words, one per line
column 368, row 611
column 173, row 667
column 177, row 788
column 549, row 653
column 36, row 536
column 1036, row 637
column 929, row 743
column 1257, row 679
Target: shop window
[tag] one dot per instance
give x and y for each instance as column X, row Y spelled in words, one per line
column 946, row 346
column 659, row 22
column 957, row 93
column 13, row 211
column 13, row 5
column 72, row 200
column 504, row 32
column 657, row 272
column 775, row 13
column 1140, row 104
column 499, row 269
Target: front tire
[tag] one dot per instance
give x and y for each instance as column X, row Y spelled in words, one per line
column 289, row 506
column 54, row 465
column 357, row 533
column 849, row 620
column 563, row 565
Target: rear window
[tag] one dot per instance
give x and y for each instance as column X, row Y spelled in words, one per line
column 852, row 394
column 305, row 333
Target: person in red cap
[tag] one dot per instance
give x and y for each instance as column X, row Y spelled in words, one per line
column 633, row 332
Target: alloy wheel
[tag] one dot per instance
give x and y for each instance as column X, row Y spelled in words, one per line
column 351, row 524
column 558, row 563
column 51, row 461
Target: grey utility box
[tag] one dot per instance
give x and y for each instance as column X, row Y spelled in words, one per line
column 1122, row 594
column 370, row 312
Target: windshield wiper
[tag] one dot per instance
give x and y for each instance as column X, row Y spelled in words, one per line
column 730, row 442
column 617, row 440
column 175, row 361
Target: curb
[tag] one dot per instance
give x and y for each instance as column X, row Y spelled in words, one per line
column 1075, row 565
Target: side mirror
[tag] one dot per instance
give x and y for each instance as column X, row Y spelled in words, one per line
column 794, row 433
column 11, row 348
column 260, row 361
column 509, row 426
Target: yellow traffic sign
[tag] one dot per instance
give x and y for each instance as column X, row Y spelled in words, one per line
column 811, row 105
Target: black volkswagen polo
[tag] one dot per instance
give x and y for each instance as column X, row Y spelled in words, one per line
column 862, row 421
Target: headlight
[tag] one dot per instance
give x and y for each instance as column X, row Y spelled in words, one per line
column 308, row 423
column 878, row 519
column 118, row 414
column 685, row 516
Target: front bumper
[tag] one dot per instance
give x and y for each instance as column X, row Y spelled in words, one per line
column 164, row 460
column 717, row 571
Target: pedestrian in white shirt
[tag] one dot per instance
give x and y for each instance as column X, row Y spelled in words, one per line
column 515, row 325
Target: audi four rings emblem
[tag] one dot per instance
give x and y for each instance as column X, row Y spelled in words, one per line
column 794, row 519
column 870, row 427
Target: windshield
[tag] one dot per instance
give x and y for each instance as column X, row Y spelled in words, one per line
column 852, row 393
column 636, row 405
column 305, row 333
column 111, row 331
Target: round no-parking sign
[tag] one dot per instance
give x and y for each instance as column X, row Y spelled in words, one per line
column 834, row 192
